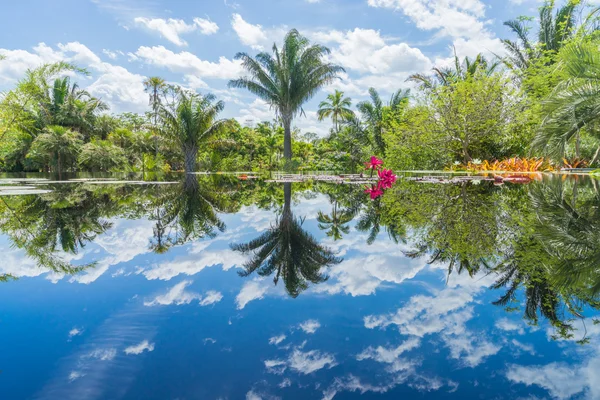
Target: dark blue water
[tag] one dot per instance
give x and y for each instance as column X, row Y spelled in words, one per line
column 467, row 290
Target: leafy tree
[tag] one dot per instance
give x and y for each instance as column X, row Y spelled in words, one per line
column 57, row 146
column 191, row 121
column 102, row 155
column 372, row 113
column 288, row 78
column 337, row 107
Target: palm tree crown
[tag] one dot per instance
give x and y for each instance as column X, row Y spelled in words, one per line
column 337, row 107
column 287, row 78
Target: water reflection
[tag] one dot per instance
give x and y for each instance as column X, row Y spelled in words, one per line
column 428, row 289
column 288, row 251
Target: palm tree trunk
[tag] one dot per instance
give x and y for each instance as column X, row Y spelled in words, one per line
column 287, row 198
column 190, row 153
column 287, row 137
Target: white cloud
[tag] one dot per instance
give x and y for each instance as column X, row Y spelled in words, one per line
column 211, row 297
column 470, row 349
column 251, row 395
column 562, row 381
column 176, row 295
column 102, row 354
column 75, row 332
column 140, row 348
column 310, row 361
column 275, row 340
column 74, row 375
column 172, row 29
column 250, row 35
column 507, row 325
column 252, row 290
column 310, row 326
column 388, row 355
column 523, row 346
column 188, row 63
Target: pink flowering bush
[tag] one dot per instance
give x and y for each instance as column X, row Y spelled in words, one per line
column 386, row 178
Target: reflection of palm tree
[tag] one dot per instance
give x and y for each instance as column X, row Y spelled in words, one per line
column 371, row 222
column 189, row 212
column 336, row 224
column 288, row 251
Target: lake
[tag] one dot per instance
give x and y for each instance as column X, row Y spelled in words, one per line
column 216, row 287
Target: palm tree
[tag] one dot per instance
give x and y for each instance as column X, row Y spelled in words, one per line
column 337, row 107
column 461, row 71
column 154, row 85
column 56, row 145
column 288, row 251
column 336, row 224
column 574, row 103
column 372, row 113
column 191, row 121
column 554, row 31
column 288, row 78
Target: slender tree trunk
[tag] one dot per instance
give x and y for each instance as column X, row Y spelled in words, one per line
column 595, row 158
column 190, row 153
column 287, row 198
column 59, row 167
column 577, row 146
column 287, row 137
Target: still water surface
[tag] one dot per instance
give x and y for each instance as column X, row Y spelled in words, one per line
column 218, row 288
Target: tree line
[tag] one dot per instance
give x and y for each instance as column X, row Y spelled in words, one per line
column 540, row 100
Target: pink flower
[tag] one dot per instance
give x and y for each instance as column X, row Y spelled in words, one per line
column 375, row 163
column 386, row 178
column 375, row 192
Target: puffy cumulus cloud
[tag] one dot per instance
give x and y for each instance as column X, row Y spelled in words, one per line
column 310, row 326
column 528, row 348
column 172, row 29
column 455, row 18
column 254, row 35
column 461, row 20
column 366, row 51
column 126, row 241
column 369, row 267
column 121, row 89
column 252, row 290
column 470, row 349
column 195, row 262
column 303, row 362
column 140, row 348
column 187, row 63
column 561, row 380
column 446, row 313
column 388, row 355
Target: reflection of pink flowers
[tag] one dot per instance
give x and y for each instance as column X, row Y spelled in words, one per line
column 374, row 191
column 374, row 163
column 386, row 178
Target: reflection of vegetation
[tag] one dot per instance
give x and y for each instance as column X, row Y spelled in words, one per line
column 288, row 251
column 541, row 241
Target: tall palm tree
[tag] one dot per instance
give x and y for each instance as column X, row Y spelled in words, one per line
column 191, row 121
column 337, row 107
column 154, row 85
column 287, row 78
column 56, row 145
column 575, row 103
column 372, row 113
column 555, row 28
column 287, row 250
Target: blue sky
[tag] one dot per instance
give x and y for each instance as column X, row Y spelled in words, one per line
column 193, row 43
